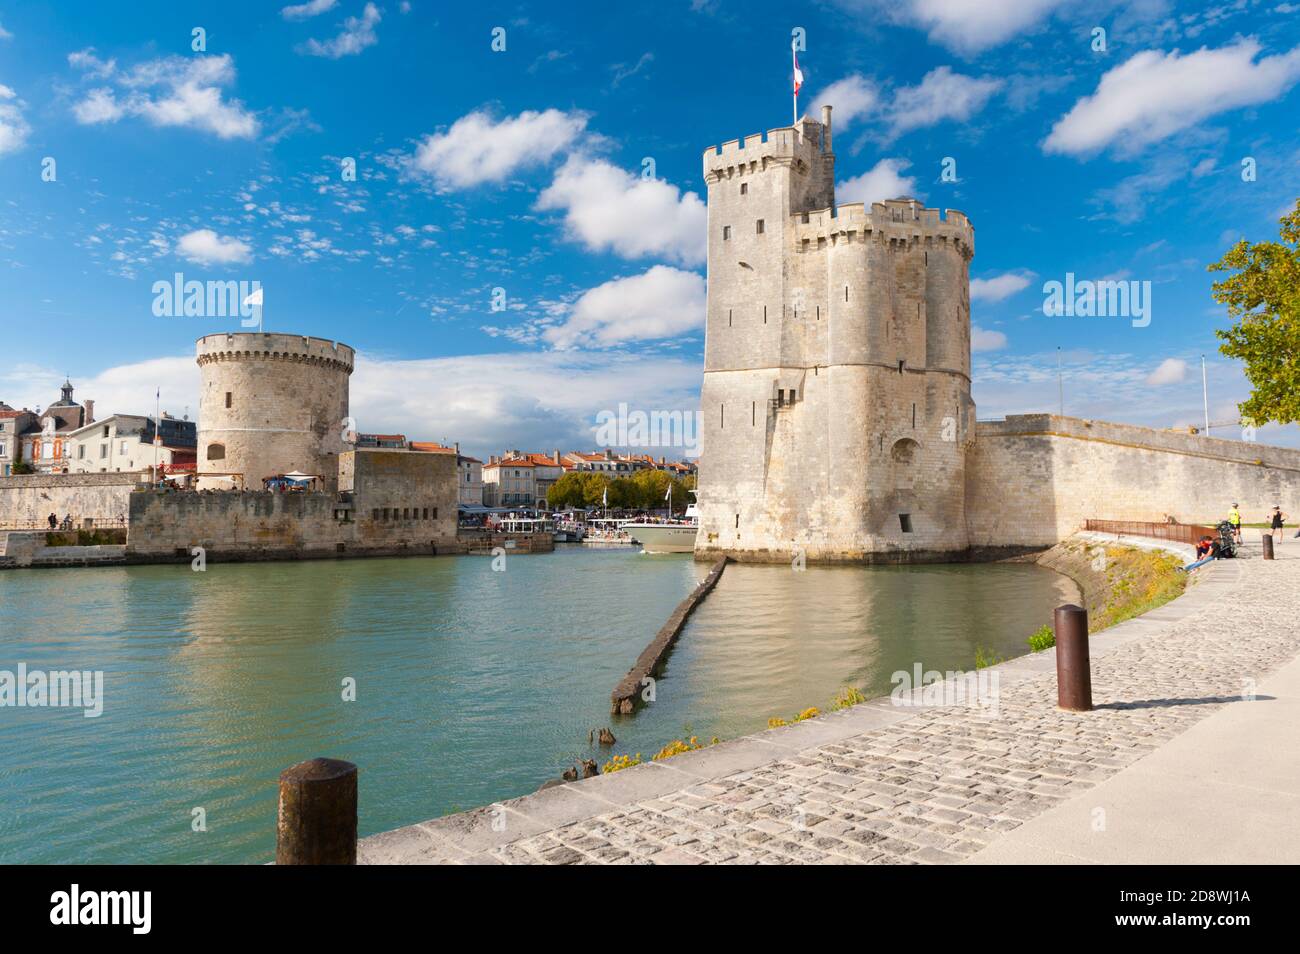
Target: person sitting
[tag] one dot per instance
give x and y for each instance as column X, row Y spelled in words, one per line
column 1212, row 552
column 1203, row 546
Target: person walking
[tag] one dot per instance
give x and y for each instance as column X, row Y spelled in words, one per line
column 1234, row 518
column 1277, row 523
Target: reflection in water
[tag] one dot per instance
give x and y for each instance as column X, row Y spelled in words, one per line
column 472, row 685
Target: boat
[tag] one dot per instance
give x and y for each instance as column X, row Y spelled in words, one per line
column 607, row 531
column 667, row 536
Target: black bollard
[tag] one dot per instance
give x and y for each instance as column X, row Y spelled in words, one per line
column 1268, row 546
column 317, row 823
column 1073, row 671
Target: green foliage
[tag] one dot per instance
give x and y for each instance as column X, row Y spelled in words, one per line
column 985, row 658
column 1263, row 299
column 846, row 698
column 643, row 490
column 1043, row 638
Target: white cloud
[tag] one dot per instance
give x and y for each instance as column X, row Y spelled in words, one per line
column 206, row 247
column 14, row 129
column 941, row 95
column 1170, row 371
column 660, row 303
column 124, row 389
column 172, row 91
column 477, row 149
column 304, row 11
column 608, row 208
column 852, row 97
column 1153, row 95
column 884, row 180
column 5, row 34
column 967, row 26
column 487, row 402
column 983, row 339
column 355, row 34
column 531, row 400
column 999, row 287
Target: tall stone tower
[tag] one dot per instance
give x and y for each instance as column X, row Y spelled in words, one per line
column 271, row 404
column 836, row 408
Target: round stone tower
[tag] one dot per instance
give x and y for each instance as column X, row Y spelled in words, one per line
column 271, row 404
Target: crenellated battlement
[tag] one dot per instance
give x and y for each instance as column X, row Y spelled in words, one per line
column 784, row 145
column 234, row 345
column 894, row 220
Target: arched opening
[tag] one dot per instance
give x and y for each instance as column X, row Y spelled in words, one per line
column 216, row 452
column 904, row 451
column 903, row 454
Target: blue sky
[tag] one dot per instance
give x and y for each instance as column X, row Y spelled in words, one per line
column 521, row 169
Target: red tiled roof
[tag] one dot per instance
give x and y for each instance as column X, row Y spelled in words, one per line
column 430, row 447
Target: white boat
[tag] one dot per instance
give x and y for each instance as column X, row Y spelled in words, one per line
column 667, row 536
column 606, row 531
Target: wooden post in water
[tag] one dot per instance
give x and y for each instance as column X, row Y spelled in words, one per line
column 317, row 822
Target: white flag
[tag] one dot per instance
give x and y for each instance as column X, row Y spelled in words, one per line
column 255, row 298
column 669, row 495
column 798, row 73
column 604, row 497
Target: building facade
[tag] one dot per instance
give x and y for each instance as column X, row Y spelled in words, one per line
column 13, row 425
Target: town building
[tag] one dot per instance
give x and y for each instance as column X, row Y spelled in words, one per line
column 123, row 443
column 13, row 424
column 516, row 479
column 43, row 440
column 390, row 441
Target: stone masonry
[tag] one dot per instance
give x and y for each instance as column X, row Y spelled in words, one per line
column 885, row 784
column 836, row 415
column 272, row 404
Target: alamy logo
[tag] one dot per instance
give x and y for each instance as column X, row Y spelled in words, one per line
column 180, row 298
column 952, row 688
column 57, row 689
column 103, row 907
column 1100, row 299
column 649, row 429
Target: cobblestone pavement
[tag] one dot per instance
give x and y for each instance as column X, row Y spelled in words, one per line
column 918, row 785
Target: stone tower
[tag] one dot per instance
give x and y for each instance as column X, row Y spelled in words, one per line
column 836, row 409
column 271, row 404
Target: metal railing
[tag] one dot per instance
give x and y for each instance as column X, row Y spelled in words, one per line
column 78, row 523
column 1177, row 532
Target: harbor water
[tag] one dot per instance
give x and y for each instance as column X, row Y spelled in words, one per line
column 451, row 684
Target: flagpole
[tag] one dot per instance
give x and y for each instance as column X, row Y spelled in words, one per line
column 157, row 430
column 794, row 56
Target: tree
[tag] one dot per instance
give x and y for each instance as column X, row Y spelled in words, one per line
column 568, row 491
column 1263, row 299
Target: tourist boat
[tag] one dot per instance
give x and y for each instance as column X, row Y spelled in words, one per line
column 667, row 536
column 607, row 531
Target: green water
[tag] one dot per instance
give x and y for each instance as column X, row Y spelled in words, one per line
column 471, row 685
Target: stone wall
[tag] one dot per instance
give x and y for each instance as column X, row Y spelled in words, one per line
column 1033, row 479
column 32, row 498
column 395, row 502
